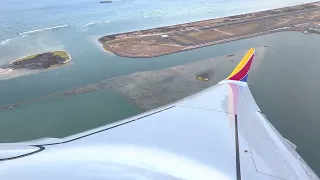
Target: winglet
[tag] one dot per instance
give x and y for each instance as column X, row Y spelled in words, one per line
column 240, row 73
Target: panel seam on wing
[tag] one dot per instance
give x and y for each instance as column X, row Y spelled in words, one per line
column 193, row 107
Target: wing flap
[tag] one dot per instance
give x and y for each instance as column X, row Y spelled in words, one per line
column 269, row 152
column 268, row 158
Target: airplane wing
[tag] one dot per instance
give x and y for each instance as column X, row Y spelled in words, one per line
column 219, row 133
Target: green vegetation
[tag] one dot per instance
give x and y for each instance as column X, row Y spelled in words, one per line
column 27, row 57
column 202, row 79
column 61, row 54
column 41, row 60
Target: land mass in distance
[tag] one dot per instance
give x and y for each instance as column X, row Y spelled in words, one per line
column 182, row 37
column 40, row 61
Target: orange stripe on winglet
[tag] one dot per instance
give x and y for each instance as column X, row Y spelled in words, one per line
column 242, row 63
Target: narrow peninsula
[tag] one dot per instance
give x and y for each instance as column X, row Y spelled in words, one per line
column 171, row 39
column 40, row 61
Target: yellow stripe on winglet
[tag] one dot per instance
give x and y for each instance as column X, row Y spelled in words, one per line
column 242, row 63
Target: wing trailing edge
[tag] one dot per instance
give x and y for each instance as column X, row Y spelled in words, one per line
column 240, row 73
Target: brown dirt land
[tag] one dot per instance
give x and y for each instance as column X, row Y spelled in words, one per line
column 143, row 49
column 182, row 39
column 240, row 29
column 175, row 38
column 208, row 35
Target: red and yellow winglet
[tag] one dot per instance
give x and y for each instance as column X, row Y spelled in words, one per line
column 240, row 73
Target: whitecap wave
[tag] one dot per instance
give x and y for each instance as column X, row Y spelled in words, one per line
column 89, row 24
column 94, row 23
column 43, row 29
column 149, row 16
column 27, row 33
column 7, row 41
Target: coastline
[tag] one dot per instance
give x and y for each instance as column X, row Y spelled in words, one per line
column 5, row 71
column 204, row 45
column 165, row 40
column 105, row 49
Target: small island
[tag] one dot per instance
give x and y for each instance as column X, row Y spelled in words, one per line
column 40, row 61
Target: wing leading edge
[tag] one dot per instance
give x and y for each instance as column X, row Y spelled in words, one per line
column 218, row 133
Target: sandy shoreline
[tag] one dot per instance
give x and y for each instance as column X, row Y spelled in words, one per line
column 5, row 71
